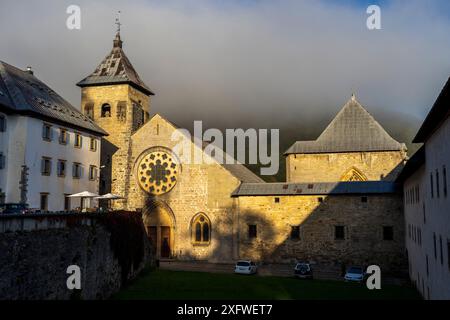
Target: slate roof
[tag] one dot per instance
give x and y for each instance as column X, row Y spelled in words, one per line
column 115, row 69
column 21, row 92
column 322, row 188
column 437, row 115
column 352, row 130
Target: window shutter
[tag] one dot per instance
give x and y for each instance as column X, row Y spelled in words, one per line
column 43, row 131
column 42, row 166
column 73, row 170
column 2, row 161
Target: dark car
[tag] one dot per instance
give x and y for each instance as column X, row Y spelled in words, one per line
column 303, row 270
column 14, row 208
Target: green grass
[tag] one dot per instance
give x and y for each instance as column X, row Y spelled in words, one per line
column 181, row 285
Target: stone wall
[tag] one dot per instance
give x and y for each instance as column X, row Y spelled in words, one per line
column 35, row 252
column 329, row 167
column 363, row 223
column 200, row 188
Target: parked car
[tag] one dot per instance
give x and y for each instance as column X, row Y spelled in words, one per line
column 14, row 208
column 303, row 270
column 245, row 267
column 355, row 273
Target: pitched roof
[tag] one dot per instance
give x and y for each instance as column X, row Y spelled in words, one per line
column 238, row 170
column 352, row 130
column 322, row 188
column 115, row 69
column 437, row 115
column 21, row 92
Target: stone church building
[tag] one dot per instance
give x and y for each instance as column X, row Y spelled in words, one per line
column 338, row 205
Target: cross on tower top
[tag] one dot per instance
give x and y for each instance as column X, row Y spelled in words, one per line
column 118, row 22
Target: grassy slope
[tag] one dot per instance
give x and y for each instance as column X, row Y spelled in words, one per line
column 162, row 284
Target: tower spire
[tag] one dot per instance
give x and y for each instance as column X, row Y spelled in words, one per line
column 117, row 43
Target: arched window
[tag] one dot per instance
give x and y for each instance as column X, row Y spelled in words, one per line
column 106, row 110
column 353, row 174
column 201, row 229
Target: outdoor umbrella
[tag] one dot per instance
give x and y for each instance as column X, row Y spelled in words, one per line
column 82, row 195
column 109, row 197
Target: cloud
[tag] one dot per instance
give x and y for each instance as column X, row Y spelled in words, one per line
column 243, row 63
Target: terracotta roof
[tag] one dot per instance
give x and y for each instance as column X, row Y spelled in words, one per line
column 437, row 115
column 115, row 69
column 322, row 188
column 21, row 92
column 352, row 130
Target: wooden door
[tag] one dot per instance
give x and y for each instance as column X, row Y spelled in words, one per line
column 153, row 237
column 165, row 242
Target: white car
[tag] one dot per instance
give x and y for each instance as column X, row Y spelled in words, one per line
column 355, row 274
column 245, row 267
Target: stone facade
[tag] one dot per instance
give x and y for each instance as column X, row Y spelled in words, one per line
column 345, row 166
column 191, row 213
column 316, row 219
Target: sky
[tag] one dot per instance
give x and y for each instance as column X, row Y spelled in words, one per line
column 249, row 63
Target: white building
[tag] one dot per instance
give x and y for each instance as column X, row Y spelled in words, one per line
column 48, row 149
column 427, row 203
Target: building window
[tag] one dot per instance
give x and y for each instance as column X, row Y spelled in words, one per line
column 78, row 140
column 448, row 253
column 201, row 228
column 2, row 161
column 295, row 232
column 76, row 170
column 44, row 202
column 106, row 110
column 47, row 132
column 92, row 173
column 438, row 191
column 89, row 111
column 434, row 243
column 320, row 199
column 432, row 185
column 339, row 232
column 424, row 216
column 46, row 166
column 409, row 231
column 388, row 233
column 62, row 136
column 444, row 180
column 277, row 200
column 2, row 123
column 61, row 168
column 441, row 250
column 364, row 199
column 93, row 144
column 122, row 110
column 66, row 202
column 252, row 231
column 428, row 269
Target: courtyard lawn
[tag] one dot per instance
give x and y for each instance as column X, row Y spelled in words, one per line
column 183, row 285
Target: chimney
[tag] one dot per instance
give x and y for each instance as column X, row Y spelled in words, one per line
column 29, row 70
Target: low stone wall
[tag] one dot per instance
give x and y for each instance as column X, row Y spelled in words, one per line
column 36, row 250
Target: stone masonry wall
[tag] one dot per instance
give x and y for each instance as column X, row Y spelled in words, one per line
column 329, row 167
column 363, row 224
column 35, row 252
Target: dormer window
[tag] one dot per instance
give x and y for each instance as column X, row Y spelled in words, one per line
column 106, row 110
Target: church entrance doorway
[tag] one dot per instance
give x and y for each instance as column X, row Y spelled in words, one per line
column 160, row 224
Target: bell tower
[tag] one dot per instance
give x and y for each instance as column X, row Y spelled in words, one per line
column 116, row 98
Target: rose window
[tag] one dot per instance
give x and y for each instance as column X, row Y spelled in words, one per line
column 157, row 172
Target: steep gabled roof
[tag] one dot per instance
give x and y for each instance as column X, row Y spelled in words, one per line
column 352, row 130
column 238, row 170
column 21, row 92
column 437, row 115
column 115, row 69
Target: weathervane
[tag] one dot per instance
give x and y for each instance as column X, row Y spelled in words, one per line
column 118, row 22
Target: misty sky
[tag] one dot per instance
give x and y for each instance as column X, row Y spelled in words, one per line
column 244, row 63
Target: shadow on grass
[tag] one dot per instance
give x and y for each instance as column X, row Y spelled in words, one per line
column 182, row 285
